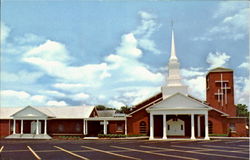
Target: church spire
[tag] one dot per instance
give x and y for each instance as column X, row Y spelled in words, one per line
column 173, row 53
column 174, row 84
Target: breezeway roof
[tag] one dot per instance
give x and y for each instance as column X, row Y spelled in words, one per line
column 68, row 112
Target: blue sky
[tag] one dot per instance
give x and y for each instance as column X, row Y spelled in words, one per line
column 115, row 53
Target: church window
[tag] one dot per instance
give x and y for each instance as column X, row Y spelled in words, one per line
column 168, row 127
column 60, row 128
column 232, row 126
column 119, row 127
column 143, row 127
column 78, row 127
column 181, row 127
column 210, row 127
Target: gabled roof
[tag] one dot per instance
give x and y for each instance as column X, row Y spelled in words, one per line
column 32, row 112
column 68, row 112
column 146, row 103
column 221, row 69
column 105, row 113
column 179, row 101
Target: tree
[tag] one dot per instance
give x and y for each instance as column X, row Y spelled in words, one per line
column 242, row 110
column 124, row 109
column 102, row 107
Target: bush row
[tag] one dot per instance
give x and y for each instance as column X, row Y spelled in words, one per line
column 118, row 135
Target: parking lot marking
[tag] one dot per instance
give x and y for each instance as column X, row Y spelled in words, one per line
column 150, row 152
column 235, row 141
column 182, row 141
column 108, row 152
column 216, row 149
column 67, row 151
column 1, row 149
column 238, row 148
column 209, row 141
column 33, row 152
column 244, row 146
column 214, row 154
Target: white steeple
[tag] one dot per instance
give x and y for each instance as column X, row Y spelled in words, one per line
column 173, row 84
column 173, row 54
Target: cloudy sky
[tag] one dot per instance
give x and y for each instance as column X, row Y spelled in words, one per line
column 57, row 53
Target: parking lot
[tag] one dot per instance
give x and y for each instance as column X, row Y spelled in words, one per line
column 123, row 149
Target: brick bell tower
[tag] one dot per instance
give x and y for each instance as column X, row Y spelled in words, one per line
column 220, row 90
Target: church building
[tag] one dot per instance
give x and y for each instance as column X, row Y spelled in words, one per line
column 172, row 113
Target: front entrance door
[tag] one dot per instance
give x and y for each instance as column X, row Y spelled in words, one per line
column 175, row 127
column 33, row 127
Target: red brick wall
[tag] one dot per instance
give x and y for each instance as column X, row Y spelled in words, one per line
column 69, row 126
column 112, row 127
column 213, row 87
column 4, row 128
column 220, row 123
column 240, row 126
column 133, row 122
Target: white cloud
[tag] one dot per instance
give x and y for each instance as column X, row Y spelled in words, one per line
column 53, row 58
column 80, row 96
column 56, row 103
column 197, row 86
column 242, row 91
column 5, row 30
column 28, row 38
column 21, row 98
column 145, row 30
column 246, row 64
column 191, row 72
column 128, row 46
column 232, row 20
column 115, row 104
column 217, row 59
column 49, row 51
column 21, row 77
column 53, row 93
column 70, row 86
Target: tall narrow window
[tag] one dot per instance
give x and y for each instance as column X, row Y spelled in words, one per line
column 210, row 127
column 143, row 127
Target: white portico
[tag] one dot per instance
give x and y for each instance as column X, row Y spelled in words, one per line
column 177, row 108
column 179, row 105
column 35, row 119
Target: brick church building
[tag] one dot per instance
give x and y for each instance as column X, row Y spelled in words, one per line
column 172, row 113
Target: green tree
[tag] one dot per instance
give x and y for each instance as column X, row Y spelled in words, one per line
column 124, row 109
column 102, row 107
column 242, row 110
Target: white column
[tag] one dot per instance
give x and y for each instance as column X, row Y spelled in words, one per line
column 21, row 126
column 37, row 128
column 84, row 127
column 105, row 127
column 14, row 127
column 206, row 126
column 192, row 126
column 199, row 125
column 126, row 126
column 45, row 126
column 164, row 127
column 151, row 136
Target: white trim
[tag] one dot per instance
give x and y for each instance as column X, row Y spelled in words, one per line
column 192, row 127
column 164, row 127
column 14, row 127
column 206, row 126
column 37, row 126
column 45, row 126
column 151, row 136
column 199, row 125
column 152, row 103
column 106, row 118
column 21, row 126
column 126, row 127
